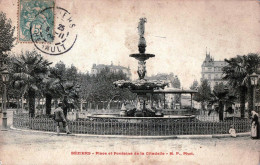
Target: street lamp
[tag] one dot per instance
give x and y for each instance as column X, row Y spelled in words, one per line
column 5, row 79
column 253, row 79
column 225, row 92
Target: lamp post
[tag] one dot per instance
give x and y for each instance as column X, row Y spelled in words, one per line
column 5, row 79
column 225, row 92
column 253, row 79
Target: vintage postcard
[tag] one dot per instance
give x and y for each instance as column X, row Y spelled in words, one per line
column 130, row 82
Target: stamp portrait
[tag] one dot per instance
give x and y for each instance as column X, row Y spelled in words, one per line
column 49, row 28
column 33, row 14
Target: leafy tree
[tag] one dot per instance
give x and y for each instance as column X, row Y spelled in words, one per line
column 29, row 71
column 6, row 41
column 7, row 34
column 176, row 82
column 194, row 85
column 237, row 73
column 203, row 94
column 100, row 87
column 173, row 79
column 71, row 74
column 86, row 84
column 11, row 92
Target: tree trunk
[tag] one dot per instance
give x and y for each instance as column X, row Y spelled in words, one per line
column 242, row 101
column 250, row 99
column 221, row 116
column 108, row 105
column 55, row 103
column 66, row 106
column 81, row 105
column 17, row 105
column 38, row 107
column 202, row 107
column 31, row 97
column 2, row 103
column 22, row 106
column 48, row 98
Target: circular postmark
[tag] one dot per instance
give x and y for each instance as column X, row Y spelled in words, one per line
column 52, row 32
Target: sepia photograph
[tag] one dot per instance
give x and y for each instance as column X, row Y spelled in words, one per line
column 129, row 82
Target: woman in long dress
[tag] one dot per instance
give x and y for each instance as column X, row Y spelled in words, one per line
column 255, row 129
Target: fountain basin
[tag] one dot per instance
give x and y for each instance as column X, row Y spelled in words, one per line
column 118, row 118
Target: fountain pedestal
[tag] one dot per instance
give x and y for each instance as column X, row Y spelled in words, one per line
column 142, row 86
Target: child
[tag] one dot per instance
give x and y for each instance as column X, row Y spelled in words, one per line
column 232, row 131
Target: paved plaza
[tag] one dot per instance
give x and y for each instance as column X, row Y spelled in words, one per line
column 29, row 147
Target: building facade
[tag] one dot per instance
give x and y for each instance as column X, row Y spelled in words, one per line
column 212, row 71
column 113, row 68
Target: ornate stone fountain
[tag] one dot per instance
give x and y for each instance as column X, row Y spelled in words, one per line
column 142, row 86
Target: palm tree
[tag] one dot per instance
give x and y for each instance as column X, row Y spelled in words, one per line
column 57, row 85
column 29, row 71
column 69, row 94
column 220, row 95
column 51, row 86
column 237, row 73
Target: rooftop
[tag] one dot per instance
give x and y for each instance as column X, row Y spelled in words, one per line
column 101, row 66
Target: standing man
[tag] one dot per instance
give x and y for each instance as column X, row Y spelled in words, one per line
column 60, row 117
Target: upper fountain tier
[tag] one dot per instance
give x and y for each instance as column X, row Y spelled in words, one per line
column 141, row 84
column 142, row 56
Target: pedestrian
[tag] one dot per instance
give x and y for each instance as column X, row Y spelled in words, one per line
column 60, row 117
column 255, row 130
column 232, row 131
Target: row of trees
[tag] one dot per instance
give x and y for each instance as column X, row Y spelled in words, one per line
column 173, row 79
column 32, row 76
column 99, row 87
column 220, row 95
column 237, row 74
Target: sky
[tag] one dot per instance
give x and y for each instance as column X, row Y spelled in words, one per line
column 177, row 32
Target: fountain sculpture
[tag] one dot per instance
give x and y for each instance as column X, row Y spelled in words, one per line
column 142, row 86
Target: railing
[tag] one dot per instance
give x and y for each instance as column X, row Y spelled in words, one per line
column 143, row 127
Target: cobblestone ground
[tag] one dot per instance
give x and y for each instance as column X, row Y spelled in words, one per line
column 19, row 147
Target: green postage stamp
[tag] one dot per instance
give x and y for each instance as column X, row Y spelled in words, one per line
column 35, row 20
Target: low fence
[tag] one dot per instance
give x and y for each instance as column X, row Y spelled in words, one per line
column 144, row 127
